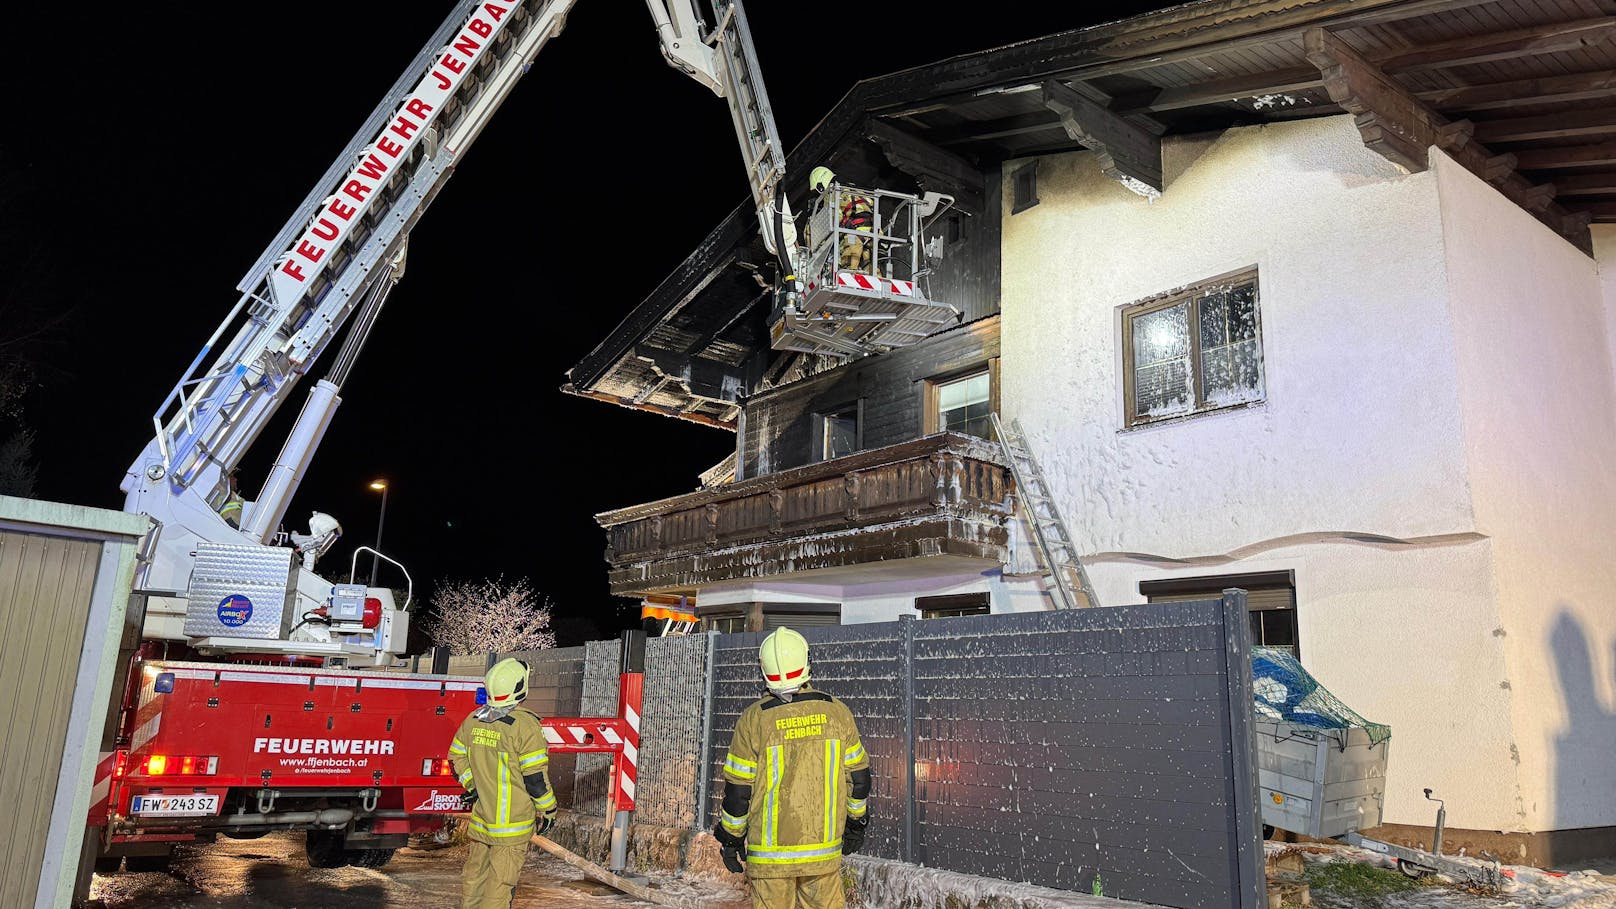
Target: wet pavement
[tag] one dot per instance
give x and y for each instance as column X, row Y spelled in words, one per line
column 272, row 873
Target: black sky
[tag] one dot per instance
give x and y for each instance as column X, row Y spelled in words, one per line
column 154, row 150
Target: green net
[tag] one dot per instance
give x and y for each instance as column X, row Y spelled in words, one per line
column 1284, row 692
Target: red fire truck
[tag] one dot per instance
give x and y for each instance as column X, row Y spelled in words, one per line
column 358, row 759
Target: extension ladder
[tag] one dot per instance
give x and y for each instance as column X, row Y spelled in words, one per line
column 1068, row 582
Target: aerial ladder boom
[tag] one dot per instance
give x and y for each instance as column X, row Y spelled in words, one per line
column 333, row 264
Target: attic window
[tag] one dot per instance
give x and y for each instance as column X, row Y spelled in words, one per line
column 1026, row 188
column 954, row 228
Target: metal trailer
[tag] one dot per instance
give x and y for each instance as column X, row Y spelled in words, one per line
column 1331, row 783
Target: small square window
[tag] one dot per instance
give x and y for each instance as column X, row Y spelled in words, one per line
column 1192, row 351
column 1025, row 187
column 839, row 433
column 728, row 623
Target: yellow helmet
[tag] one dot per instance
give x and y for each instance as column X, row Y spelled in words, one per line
column 820, row 178
column 784, row 655
column 506, row 682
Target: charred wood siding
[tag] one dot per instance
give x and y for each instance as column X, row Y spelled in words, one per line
column 943, row 494
column 781, row 426
column 968, row 274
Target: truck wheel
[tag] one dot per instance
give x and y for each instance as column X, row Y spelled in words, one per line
column 370, row 858
column 324, row 848
column 142, row 864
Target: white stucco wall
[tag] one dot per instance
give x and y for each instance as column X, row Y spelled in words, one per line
column 1361, row 435
column 1539, row 411
column 1357, row 344
column 1405, row 636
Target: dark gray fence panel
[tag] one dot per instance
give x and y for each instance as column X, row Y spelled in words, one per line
column 602, row 672
column 1063, row 746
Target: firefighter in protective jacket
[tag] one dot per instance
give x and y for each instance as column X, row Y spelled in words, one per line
column 500, row 757
column 796, row 785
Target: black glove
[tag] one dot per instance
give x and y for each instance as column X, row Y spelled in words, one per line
column 853, row 834
column 547, row 822
column 732, row 848
column 467, row 800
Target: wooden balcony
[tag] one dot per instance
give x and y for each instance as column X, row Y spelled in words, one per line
column 946, row 495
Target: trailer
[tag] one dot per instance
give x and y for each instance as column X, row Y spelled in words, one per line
column 1321, row 770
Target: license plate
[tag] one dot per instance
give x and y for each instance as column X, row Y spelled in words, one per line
column 194, row 805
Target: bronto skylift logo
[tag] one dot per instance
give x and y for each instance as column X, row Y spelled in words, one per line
column 235, row 611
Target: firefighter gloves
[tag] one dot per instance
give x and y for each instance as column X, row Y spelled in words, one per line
column 853, row 834
column 733, row 848
column 547, row 823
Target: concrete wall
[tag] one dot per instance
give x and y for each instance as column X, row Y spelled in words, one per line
column 1539, row 413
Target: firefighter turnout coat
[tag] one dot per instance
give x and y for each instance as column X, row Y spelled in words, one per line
column 500, row 755
column 794, row 773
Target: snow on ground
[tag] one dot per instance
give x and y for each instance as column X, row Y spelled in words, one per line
column 1524, row 888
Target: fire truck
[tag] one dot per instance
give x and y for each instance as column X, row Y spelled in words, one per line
column 261, row 695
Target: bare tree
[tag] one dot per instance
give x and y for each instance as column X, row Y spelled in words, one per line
column 489, row 617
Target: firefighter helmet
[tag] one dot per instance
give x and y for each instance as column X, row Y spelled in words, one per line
column 506, row 682
column 784, row 656
column 820, row 178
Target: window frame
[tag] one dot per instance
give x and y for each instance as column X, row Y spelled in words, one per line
column 1192, row 294
column 1167, row 590
column 931, row 398
column 822, row 423
column 1020, row 202
column 954, row 605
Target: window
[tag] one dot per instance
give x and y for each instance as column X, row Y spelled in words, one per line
column 957, row 604
column 1193, row 350
column 1026, row 188
column 1270, row 599
column 963, row 403
column 839, row 432
column 726, row 623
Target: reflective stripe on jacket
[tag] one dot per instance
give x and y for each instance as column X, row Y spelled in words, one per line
column 797, row 757
column 502, row 757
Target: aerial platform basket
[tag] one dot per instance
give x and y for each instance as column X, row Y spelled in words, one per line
column 863, row 287
column 1321, row 766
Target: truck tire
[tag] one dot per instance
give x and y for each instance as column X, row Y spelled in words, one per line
column 324, row 849
column 370, row 858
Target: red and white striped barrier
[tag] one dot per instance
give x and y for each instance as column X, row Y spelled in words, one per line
column 859, row 281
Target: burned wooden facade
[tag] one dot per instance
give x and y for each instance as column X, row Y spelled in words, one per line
column 943, row 496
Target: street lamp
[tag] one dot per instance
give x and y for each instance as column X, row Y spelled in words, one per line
column 375, row 560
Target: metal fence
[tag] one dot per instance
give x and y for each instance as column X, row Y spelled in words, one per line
column 1095, row 749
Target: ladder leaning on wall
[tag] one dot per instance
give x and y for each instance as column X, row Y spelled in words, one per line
column 1068, row 582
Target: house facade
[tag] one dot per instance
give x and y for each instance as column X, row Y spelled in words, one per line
column 1301, row 335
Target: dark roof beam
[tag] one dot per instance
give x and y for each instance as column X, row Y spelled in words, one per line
column 1563, row 125
column 936, row 169
column 1553, row 37
column 1601, row 155
column 1521, row 92
column 1003, row 128
column 1394, row 123
column 1599, row 184
column 1127, row 152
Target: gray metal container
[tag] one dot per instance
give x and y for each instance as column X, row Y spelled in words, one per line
column 241, row 590
column 1320, row 782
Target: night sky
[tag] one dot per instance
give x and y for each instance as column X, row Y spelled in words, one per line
column 154, row 149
